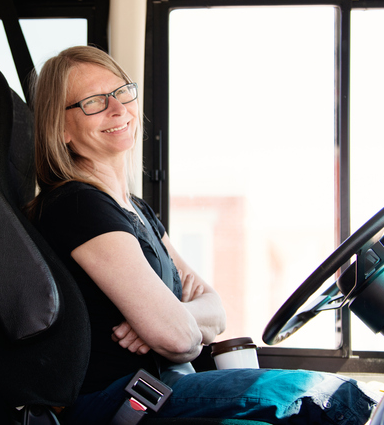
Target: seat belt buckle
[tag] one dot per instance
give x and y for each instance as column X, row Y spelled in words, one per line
column 148, row 391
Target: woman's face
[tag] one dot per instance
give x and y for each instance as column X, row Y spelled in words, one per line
column 105, row 135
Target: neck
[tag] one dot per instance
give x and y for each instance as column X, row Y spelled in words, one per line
column 115, row 181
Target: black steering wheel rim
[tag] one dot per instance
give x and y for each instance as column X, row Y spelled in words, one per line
column 352, row 245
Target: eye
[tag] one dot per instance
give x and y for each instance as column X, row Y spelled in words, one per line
column 96, row 100
column 94, row 103
column 126, row 93
column 122, row 91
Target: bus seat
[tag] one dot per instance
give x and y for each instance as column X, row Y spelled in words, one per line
column 44, row 327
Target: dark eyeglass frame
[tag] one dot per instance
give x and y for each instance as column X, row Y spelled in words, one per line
column 79, row 104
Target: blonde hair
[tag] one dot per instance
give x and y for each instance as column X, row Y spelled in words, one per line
column 56, row 162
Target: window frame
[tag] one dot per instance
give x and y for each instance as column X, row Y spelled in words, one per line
column 156, row 162
column 94, row 11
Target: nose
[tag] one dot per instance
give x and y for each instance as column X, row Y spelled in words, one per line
column 115, row 106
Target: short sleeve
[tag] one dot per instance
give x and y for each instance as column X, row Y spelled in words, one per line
column 79, row 215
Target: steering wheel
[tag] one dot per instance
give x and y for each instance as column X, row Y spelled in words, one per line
column 354, row 286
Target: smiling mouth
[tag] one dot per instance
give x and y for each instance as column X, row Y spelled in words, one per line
column 112, row 130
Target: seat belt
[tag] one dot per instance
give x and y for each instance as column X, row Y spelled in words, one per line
column 145, row 392
column 19, row 49
column 166, row 271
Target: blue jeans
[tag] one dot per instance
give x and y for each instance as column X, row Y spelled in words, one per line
column 275, row 396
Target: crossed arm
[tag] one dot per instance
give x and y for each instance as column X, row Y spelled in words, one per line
column 154, row 317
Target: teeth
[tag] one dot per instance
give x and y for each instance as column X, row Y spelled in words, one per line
column 111, row 130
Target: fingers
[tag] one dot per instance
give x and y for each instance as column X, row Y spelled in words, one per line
column 139, row 347
column 187, row 283
column 191, row 289
column 199, row 290
column 121, row 331
column 128, row 338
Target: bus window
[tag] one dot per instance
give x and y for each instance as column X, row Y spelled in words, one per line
column 367, row 135
column 45, row 38
column 251, row 142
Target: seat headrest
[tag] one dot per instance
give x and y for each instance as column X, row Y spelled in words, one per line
column 17, row 148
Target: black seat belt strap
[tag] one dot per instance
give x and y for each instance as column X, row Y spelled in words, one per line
column 145, row 392
column 166, row 271
column 20, row 52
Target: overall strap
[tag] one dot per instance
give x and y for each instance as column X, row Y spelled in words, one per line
column 165, row 263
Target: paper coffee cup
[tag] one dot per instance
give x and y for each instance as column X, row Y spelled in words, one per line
column 236, row 353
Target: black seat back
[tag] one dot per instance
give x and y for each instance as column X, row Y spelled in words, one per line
column 44, row 325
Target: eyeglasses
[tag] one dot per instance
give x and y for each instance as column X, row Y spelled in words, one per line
column 99, row 102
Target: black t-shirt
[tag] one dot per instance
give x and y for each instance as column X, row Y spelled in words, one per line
column 72, row 215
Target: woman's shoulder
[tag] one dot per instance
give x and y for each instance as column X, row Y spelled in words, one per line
column 74, row 190
column 77, row 212
column 76, row 200
column 70, row 188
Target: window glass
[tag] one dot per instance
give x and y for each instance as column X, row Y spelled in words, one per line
column 45, row 38
column 367, row 136
column 252, row 156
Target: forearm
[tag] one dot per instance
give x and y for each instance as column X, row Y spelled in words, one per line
column 178, row 349
column 176, row 341
column 209, row 315
column 199, row 298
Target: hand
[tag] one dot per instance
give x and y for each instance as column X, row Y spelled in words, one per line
column 128, row 338
column 191, row 289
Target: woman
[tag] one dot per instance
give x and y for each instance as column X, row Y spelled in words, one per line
column 147, row 308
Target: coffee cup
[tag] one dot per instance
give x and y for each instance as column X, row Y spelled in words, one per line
column 235, row 353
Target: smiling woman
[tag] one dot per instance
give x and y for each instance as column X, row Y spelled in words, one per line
column 88, row 121
column 58, row 131
column 256, row 138
column 148, row 308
